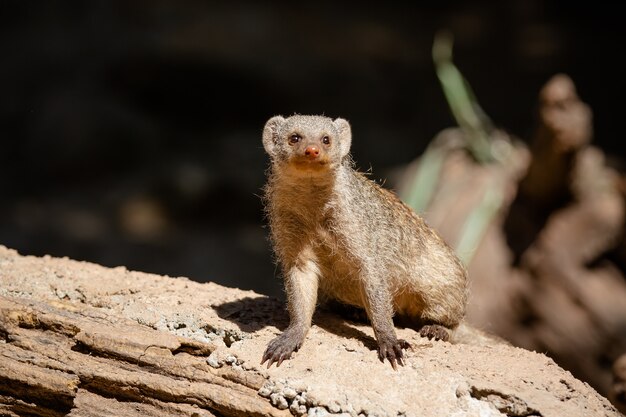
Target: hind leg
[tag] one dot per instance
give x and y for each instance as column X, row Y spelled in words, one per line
column 438, row 323
column 435, row 331
column 434, row 317
column 426, row 328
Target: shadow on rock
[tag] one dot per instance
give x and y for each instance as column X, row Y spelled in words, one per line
column 251, row 314
column 340, row 325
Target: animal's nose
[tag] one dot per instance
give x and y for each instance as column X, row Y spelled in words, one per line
column 312, row 151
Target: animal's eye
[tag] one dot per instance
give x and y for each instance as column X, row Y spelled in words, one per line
column 326, row 140
column 295, row 138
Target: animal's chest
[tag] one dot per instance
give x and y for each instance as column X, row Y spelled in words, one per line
column 339, row 275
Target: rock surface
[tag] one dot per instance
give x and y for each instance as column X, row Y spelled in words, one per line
column 84, row 340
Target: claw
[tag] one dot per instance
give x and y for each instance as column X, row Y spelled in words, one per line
column 405, row 345
column 392, row 351
column 435, row 331
column 280, row 349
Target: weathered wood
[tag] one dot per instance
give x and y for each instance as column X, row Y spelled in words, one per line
column 52, row 350
column 82, row 340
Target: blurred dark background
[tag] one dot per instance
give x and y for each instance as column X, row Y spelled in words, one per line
column 130, row 131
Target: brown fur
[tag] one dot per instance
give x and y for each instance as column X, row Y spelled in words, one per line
column 339, row 233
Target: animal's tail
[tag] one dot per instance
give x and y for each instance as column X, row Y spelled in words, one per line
column 469, row 335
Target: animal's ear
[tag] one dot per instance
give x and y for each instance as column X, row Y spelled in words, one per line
column 345, row 135
column 270, row 134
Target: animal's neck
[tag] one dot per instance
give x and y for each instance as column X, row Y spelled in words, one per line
column 304, row 183
column 303, row 192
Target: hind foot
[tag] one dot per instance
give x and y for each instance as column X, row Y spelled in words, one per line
column 435, row 331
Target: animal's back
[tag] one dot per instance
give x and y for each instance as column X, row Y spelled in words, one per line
column 419, row 269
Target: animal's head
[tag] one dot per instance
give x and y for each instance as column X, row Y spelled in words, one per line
column 307, row 144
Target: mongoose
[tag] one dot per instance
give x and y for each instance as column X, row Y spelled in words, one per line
column 337, row 232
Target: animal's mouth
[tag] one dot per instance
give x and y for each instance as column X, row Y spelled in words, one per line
column 310, row 164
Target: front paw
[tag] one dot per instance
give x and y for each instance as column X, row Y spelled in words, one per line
column 391, row 349
column 281, row 348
